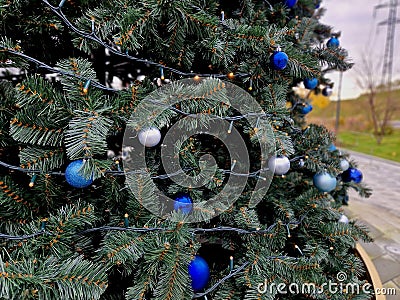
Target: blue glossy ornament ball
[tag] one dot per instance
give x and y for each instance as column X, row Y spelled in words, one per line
column 290, row 3
column 332, row 148
column 183, row 203
column 324, row 182
column 333, row 43
column 279, row 60
column 310, row 83
column 74, row 178
column 199, row 273
column 306, row 109
column 352, row 174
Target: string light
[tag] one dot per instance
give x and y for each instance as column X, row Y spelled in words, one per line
column 95, row 38
column 32, row 182
column 298, row 249
column 162, row 73
column 231, row 263
column 92, row 19
column 159, row 229
column 233, row 164
column 43, row 224
column 86, row 87
column 42, row 65
column 230, row 127
column 118, row 165
column 61, row 3
column 126, row 221
column 288, row 231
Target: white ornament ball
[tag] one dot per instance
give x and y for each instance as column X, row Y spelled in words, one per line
column 150, row 136
column 280, row 164
column 344, row 165
column 343, row 219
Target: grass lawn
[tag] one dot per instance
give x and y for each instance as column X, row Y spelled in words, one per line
column 366, row 143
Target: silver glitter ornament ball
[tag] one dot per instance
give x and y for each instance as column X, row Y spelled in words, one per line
column 150, row 136
column 280, row 164
column 344, row 165
column 343, row 219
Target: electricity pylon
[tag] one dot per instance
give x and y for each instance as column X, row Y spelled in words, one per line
column 387, row 69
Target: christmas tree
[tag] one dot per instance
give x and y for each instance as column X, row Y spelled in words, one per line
column 195, row 177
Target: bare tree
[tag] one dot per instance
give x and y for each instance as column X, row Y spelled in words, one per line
column 369, row 81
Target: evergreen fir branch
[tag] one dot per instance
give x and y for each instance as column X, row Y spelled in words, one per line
column 77, row 278
column 8, row 46
column 23, row 57
column 12, row 201
column 47, row 189
column 299, row 69
column 145, row 192
column 247, row 218
column 93, row 37
column 86, row 135
column 64, row 225
column 134, row 19
column 284, row 144
column 123, row 248
column 104, row 24
column 305, row 30
column 36, row 90
column 43, row 159
column 81, row 68
column 17, row 279
column 274, row 97
column 37, row 131
column 174, row 279
column 7, row 110
column 334, row 59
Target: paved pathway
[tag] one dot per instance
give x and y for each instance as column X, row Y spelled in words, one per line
column 381, row 213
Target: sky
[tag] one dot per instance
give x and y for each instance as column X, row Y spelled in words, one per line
column 359, row 32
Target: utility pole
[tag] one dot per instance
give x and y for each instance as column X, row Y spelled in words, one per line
column 337, row 122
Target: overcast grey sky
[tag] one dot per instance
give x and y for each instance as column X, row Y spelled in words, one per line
column 360, row 32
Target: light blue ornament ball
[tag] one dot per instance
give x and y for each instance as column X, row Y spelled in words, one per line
column 73, row 176
column 279, row 60
column 324, row 182
column 199, row 273
column 333, row 42
column 183, row 203
column 310, row 83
